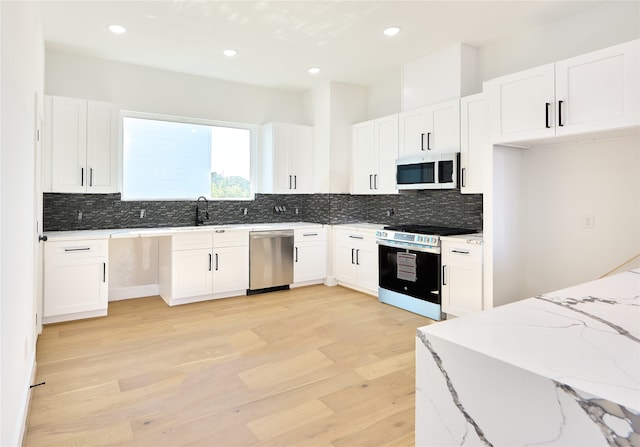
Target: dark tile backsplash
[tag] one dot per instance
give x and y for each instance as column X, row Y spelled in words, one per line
column 445, row 207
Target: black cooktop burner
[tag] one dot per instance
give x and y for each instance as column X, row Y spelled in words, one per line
column 429, row 229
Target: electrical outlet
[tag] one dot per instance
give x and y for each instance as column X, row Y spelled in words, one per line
column 588, row 221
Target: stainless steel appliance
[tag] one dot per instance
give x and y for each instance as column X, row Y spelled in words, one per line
column 410, row 266
column 428, row 171
column 270, row 260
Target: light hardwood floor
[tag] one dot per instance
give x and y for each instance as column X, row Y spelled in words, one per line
column 314, row 366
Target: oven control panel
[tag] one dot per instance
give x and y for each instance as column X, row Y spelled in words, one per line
column 419, row 239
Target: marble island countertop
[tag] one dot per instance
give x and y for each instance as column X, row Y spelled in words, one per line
column 570, row 358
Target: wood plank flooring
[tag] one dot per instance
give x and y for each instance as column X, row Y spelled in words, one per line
column 314, row 366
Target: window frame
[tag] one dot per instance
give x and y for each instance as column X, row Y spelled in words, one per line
column 253, row 152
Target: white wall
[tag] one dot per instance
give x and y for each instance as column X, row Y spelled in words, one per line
column 599, row 27
column 564, row 183
column 22, row 62
column 143, row 89
column 385, row 98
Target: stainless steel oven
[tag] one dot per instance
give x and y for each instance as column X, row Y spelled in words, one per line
column 409, row 263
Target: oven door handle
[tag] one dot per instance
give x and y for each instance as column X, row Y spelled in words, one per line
column 420, row 248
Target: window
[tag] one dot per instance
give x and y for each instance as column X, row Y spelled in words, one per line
column 174, row 159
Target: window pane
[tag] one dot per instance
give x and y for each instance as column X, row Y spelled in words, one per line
column 178, row 160
column 230, row 163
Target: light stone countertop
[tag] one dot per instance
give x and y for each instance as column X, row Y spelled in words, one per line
column 168, row 231
column 586, row 337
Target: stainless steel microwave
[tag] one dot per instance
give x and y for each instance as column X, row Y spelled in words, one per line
column 429, row 171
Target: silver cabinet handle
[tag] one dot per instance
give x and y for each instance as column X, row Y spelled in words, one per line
column 216, row 262
column 444, row 275
column 90, row 176
column 309, row 234
column 353, row 250
column 428, row 141
column 462, row 176
column 370, row 181
column 462, row 252
column 104, row 272
column 375, row 181
column 421, row 141
column 209, row 261
column 358, row 257
column 77, row 249
column 356, row 237
column 81, row 176
column 295, row 182
column 296, row 250
column 290, row 182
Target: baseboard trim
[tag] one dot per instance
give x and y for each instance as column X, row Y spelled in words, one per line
column 23, row 413
column 125, row 293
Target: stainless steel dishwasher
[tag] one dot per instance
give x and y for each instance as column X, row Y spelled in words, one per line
column 270, row 260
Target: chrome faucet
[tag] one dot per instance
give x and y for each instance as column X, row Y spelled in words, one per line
column 199, row 218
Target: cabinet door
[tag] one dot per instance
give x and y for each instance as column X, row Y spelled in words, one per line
column 192, row 272
column 521, row 105
column 301, row 158
column 462, row 278
column 68, row 135
column 474, row 143
column 598, row 90
column 102, row 147
column 230, row 269
column 282, row 163
column 367, row 260
column 345, row 267
column 413, row 129
column 363, row 161
column 309, row 261
column 75, row 277
column 462, row 292
column 386, row 144
column 443, row 134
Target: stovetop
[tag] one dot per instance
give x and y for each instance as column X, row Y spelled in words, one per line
column 429, row 229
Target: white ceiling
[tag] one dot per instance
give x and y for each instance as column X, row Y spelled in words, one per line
column 278, row 40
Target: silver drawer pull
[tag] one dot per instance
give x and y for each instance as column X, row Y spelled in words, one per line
column 309, row 234
column 220, row 231
column 462, row 252
column 78, row 249
column 356, row 237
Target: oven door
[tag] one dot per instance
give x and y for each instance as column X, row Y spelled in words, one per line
column 411, row 271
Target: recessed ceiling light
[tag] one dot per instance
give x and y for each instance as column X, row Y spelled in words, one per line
column 229, row 52
column 391, row 31
column 313, row 70
column 117, row 29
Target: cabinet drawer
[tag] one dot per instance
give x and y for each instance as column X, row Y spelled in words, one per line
column 59, row 251
column 309, row 235
column 192, row 240
column 230, row 238
column 351, row 237
column 462, row 252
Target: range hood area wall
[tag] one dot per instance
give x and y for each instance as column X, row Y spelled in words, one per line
column 66, row 212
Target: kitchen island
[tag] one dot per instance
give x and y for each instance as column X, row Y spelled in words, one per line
column 559, row 369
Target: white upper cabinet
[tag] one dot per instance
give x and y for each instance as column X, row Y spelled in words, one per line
column 435, row 128
column 81, row 146
column 474, row 143
column 374, row 154
column 599, row 90
column 286, row 159
column 593, row 92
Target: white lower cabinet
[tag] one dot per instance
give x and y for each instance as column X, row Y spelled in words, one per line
column 356, row 259
column 461, row 277
column 310, row 255
column 202, row 265
column 76, row 281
